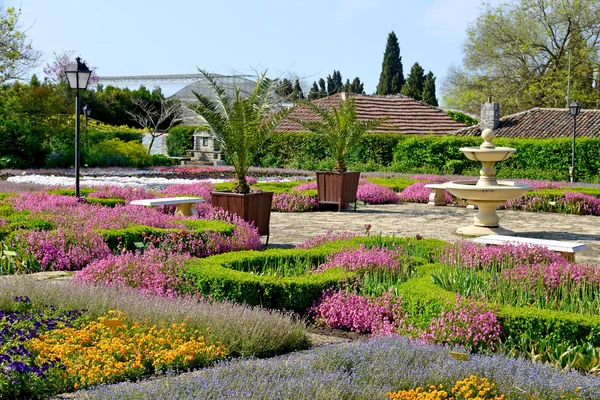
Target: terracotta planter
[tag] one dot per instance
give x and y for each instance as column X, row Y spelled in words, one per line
column 251, row 207
column 337, row 188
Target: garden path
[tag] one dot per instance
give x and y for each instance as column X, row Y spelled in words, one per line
column 410, row 219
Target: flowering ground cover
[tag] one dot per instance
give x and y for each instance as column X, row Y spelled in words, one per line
column 361, row 370
column 47, row 349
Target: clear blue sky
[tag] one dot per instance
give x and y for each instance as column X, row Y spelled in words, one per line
column 307, row 38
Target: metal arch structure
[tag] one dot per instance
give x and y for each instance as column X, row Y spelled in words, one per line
column 166, row 78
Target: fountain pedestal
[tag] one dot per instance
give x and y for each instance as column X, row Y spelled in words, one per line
column 487, row 193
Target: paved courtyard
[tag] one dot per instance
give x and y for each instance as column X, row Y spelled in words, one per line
column 410, row 219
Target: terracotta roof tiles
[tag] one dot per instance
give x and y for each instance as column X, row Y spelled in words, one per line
column 404, row 115
column 543, row 123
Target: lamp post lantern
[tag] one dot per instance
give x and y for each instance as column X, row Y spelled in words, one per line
column 78, row 76
column 574, row 109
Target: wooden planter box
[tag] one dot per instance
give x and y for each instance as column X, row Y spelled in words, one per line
column 251, row 207
column 337, row 188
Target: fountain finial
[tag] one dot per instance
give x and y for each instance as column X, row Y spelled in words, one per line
column 487, row 135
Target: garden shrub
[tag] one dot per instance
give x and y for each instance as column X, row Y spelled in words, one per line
column 117, row 153
column 160, row 160
column 181, row 138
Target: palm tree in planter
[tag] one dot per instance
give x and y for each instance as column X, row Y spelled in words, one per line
column 241, row 125
column 340, row 130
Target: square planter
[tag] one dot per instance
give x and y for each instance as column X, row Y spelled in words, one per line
column 337, row 187
column 251, row 207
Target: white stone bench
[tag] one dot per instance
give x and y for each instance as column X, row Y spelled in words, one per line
column 566, row 249
column 437, row 197
column 185, row 205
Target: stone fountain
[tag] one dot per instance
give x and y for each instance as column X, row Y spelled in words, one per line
column 487, row 193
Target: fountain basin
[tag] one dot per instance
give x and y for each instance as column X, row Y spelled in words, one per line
column 487, row 155
column 505, row 190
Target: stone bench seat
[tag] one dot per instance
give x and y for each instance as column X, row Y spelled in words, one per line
column 566, row 249
column 185, row 206
column 437, row 197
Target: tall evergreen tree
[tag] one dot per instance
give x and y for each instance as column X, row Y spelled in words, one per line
column 357, row 86
column 429, row 90
column 414, row 83
column 391, row 79
column 298, row 94
column 314, row 92
column 285, row 88
column 322, row 88
column 347, row 86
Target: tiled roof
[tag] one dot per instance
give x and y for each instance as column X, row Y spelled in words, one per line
column 543, row 123
column 404, row 115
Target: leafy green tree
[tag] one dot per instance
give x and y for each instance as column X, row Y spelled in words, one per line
column 429, row 90
column 520, row 51
column 391, row 79
column 17, row 56
column 334, row 83
column 415, row 82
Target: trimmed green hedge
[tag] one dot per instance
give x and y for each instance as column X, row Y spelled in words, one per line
column 534, row 158
column 423, row 300
column 127, row 237
column 217, row 276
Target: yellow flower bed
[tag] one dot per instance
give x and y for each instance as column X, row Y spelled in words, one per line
column 471, row 388
column 96, row 353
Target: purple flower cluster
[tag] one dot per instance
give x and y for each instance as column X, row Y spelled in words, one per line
column 474, row 256
column 468, row 324
column 154, row 272
column 371, row 193
column 306, row 186
column 128, row 193
column 567, row 203
column 363, row 259
column 200, row 189
column 294, row 202
column 345, row 310
column 328, row 237
column 418, row 193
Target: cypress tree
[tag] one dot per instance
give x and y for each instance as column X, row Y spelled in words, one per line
column 298, row 94
column 429, row 90
column 357, row 86
column 322, row 88
column 285, row 88
column 391, row 79
column 347, row 86
column 414, row 83
column 337, row 79
column 314, row 92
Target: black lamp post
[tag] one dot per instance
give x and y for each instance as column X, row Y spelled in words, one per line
column 86, row 111
column 574, row 109
column 78, row 75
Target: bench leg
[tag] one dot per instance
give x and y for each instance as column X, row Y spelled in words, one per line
column 184, row 210
column 437, row 197
column 568, row 256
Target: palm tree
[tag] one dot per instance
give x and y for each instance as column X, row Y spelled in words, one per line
column 339, row 129
column 240, row 125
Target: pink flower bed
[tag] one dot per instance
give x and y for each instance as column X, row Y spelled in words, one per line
column 293, row 202
column 118, row 192
column 371, row 193
column 344, row 310
column 200, row 189
column 155, row 272
column 363, row 259
column 328, row 237
column 76, row 241
column 306, row 186
column 467, row 323
column 418, row 193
